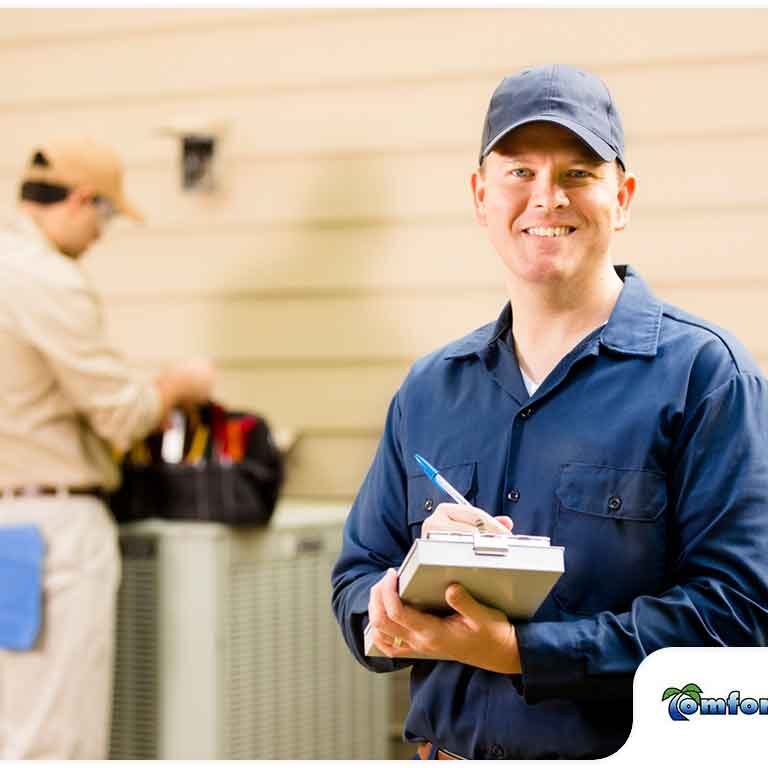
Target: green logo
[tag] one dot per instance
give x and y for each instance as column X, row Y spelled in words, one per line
column 683, row 701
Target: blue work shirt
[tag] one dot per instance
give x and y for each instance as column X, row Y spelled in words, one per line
column 643, row 453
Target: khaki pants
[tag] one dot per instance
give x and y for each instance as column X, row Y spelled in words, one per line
column 55, row 700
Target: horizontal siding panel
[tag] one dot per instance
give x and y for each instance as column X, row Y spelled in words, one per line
column 380, row 328
column 696, row 248
column 312, row 260
column 360, row 47
column 672, row 100
column 687, row 247
column 37, row 26
column 287, row 329
column 329, row 466
column 662, row 102
column 314, row 399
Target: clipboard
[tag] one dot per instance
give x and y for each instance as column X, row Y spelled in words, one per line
column 509, row 572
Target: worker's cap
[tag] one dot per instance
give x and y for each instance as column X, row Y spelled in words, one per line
column 79, row 162
column 556, row 93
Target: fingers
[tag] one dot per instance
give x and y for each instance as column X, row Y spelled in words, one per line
column 395, row 626
column 377, row 612
column 470, row 609
column 473, row 518
column 505, row 521
column 462, row 602
column 390, row 598
column 458, row 517
column 440, row 521
column 392, row 646
column 384, row 606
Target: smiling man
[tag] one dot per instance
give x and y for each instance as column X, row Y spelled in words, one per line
column 628, row 431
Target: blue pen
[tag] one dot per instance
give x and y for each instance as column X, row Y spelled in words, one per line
column 440, row 481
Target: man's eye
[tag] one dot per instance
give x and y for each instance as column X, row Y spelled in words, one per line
column 519, row 172
column 579, row 173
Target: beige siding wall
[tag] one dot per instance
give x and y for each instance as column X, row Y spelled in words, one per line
column 341, row 244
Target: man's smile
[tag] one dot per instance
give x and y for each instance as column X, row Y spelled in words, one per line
column 549, row 231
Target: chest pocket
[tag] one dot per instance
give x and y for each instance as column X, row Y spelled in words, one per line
column 424, row 495
column 613, row 527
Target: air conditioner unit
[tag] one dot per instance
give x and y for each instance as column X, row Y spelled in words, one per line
column 227, row 646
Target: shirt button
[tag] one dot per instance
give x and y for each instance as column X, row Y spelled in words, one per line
column 513, row 495
column 428, row 505
column 526, row 412
column 614, row 503
column 496, row 751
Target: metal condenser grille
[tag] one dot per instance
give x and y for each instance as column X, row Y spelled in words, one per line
column 134, row 709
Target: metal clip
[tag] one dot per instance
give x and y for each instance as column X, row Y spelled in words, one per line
column 491, row 544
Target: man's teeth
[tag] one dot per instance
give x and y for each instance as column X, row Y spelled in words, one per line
column 549, row 231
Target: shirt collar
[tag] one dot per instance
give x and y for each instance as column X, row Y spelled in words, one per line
column 635, row 323
column 632, row 329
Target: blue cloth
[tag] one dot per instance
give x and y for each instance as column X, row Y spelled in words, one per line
column 21, row 565
column 643, row 453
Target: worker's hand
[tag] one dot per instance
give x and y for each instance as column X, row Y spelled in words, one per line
column 184, row 385
column 475, row 634
column 457, row 517
column 195, row 380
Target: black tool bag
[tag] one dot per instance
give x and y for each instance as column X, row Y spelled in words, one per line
column 218, row 488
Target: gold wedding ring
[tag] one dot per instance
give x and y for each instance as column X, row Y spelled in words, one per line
column 397, row 642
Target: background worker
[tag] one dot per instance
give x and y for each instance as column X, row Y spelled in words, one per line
column 66, row 400
column 628, row 431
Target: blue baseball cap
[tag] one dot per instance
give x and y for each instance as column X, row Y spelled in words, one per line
column 556, row 93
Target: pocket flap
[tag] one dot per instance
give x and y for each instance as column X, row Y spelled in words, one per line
column 622, row 494
column 424, row 495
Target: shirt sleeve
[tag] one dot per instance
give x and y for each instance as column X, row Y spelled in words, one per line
column 718, row 593
column 65, row 323
column 375, row 539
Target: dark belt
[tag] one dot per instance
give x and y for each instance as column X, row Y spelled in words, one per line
column 441, row 754
column 31, row 491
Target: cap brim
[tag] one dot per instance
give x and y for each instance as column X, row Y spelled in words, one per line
column 592, row 140
column 126, row 208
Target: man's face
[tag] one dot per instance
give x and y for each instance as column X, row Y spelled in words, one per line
column 550, row 205
column 81, row 224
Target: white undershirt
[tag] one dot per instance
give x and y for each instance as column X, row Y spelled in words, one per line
column 530, row 384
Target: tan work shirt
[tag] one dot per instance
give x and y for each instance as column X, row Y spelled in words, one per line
column 65, row 393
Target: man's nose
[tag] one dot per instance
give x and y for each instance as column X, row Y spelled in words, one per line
column 547, row 193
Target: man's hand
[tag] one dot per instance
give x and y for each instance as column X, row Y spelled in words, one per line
column 457, row 517
column 475, row 634
column 184, row 384
column 195, row 380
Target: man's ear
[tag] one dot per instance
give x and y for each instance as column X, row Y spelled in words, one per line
column 624, row 198
column 478, row 196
